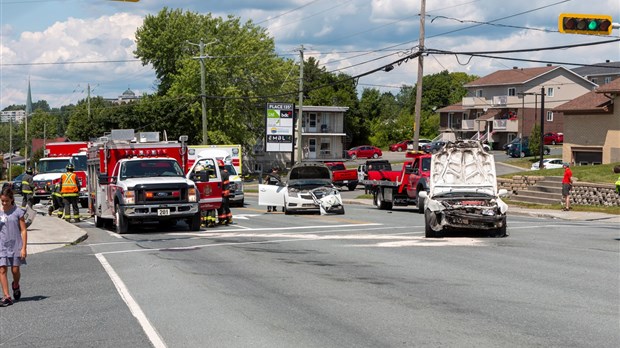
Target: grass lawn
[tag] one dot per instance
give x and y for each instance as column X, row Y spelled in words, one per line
column 602, row 173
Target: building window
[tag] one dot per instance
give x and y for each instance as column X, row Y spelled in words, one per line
column 607, row 79
column 325, row 146
column 512, row 92
column 549, row 116
column 479, row 93
column 549, row 91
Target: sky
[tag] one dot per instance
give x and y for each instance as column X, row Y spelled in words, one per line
column 63, row 46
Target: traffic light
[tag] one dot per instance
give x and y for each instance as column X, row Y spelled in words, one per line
column 589, row 24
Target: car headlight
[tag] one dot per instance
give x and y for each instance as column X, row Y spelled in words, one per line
column 129, row 197
column 239, row 186
column 192, row 195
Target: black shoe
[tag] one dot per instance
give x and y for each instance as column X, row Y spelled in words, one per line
column 275, row 209
column 5, row 302
column 17, row 293
column 269, row 210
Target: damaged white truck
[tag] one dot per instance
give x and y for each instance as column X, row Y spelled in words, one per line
column 463, row 192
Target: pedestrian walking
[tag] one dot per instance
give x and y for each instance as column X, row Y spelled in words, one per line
column 70, row 188
column 13, row 241
column 27, row 188
column 272, row 179
column 567, row 185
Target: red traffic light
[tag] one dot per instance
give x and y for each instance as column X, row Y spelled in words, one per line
column 589, row 24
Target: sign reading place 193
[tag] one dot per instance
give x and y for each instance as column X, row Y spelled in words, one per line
column 279, row 127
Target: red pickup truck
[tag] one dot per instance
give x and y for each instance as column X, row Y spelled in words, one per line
column 401, row 188
column 341, row 176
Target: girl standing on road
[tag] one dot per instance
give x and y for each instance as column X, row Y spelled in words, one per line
column 13, row 240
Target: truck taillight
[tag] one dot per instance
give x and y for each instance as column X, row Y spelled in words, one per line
column 129, row 197
column 191, row 195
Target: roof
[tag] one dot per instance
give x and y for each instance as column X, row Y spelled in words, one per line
column 599, row 69
column 612, row 87
column 451, row 108
column 323, row 108
column 490, row 114
column 512, row 76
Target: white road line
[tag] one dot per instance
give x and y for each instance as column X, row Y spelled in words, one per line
column 135, row 309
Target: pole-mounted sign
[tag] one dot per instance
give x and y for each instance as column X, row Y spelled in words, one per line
column 279, row 127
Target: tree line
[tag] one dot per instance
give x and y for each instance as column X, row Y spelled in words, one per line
column 243, row 73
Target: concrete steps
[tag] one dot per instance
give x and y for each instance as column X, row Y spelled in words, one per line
column 546, row 191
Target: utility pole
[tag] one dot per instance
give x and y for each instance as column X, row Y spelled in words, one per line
column 300, row 113
column 542, row 125
column 418, row 95
column 8, row 175
column 28, row 112
column 88, row 99
column 203, row 94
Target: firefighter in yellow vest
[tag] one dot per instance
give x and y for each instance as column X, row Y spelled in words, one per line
column 70, row 188
column 27, row 187
column 224, row 216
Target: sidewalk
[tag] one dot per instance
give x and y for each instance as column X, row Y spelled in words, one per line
column 49, row 232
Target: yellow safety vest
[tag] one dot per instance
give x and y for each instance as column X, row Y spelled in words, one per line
column 69, row 184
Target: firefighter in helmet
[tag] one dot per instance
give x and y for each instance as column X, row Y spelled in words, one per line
column 224, row 215
column 27, row 187
column 70, row 188
column 56, row 207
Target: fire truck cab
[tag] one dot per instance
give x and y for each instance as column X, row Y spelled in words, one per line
column 51, row 167
column 140, row 181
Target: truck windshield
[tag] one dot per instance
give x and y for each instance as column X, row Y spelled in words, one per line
column 150, row 168
column 79, row 162
column 52, row 165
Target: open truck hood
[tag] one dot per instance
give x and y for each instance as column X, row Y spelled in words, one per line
column 463, row 167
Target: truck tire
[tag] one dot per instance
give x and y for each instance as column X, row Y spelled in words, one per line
column 194, row 222
column 420, row 203
column 98, row 221
column 121, row 223
column 352, row 187
column 380, row 203
column 430, row 220
column 501, row 232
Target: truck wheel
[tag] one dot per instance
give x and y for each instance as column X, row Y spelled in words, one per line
column 352, row 187
column 194, row 222
column 430, row 219
column 98, row 221
column 380, row 203
column 121, row 223
column 420, row 203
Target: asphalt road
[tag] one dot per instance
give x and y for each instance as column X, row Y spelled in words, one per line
column 364, row 279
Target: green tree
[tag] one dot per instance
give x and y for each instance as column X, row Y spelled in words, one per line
column 534, row 141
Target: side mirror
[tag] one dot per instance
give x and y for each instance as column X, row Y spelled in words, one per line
column 423, row 194
column 104, row 179
column 502, row 192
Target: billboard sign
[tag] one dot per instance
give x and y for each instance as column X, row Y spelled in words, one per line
column 279, row 123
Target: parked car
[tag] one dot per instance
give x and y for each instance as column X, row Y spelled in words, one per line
column 548, row 163
column 401, row 146
column 433, row 146
column 553, row 138
column 421, row 142
column 308, row 188
column 523, row 150
column 365, row 151
column 514, row 141
column 16, row 184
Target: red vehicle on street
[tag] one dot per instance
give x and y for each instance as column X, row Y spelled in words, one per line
column 365, row 151
column 341, row 176
column 400, row 146
column 553, row 138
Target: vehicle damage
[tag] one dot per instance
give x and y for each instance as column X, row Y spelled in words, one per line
column 463, row 191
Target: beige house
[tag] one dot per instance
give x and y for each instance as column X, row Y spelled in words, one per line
column 507, row 103
column 592, row 126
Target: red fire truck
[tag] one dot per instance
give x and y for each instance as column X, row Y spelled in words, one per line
column 134, row 180
column 54, row 164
